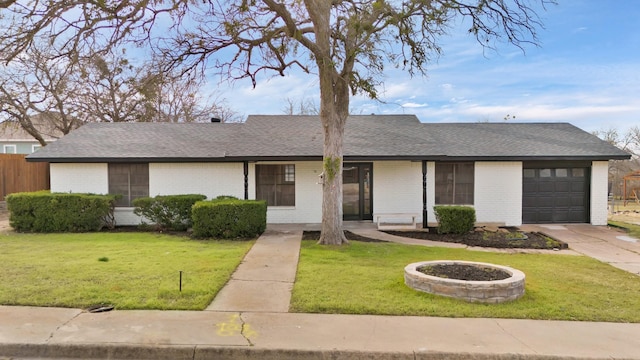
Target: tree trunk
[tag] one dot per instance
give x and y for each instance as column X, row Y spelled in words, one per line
column 332, row 232
column 334, row 109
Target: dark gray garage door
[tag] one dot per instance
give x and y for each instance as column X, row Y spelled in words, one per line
column 555, row 195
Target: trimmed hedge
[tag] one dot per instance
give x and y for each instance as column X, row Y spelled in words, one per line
column 171, row 212
column 45, row 212
column 455, row 219
column 226, row 197
column 229, row 218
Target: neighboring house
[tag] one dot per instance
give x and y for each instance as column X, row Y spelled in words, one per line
column 15, row 140
column 511, row 173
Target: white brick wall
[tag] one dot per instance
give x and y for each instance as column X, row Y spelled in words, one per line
column 308, row 208
column 79, row 178
column 125, row 216
column 498, row 192
column 397, row 187
column 599, row 189
column 210, row 179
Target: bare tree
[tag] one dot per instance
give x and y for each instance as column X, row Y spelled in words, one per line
column 303, row 106
column 37, row 91
column 48, row 95
column 618, row 168
column 613, row 136
column 178, row 98
column 112, row 89
column 346, row 43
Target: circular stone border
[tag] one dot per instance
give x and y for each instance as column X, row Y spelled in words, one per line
column 495, row 291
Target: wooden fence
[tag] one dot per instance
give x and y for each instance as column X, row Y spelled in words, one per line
column 17, row 175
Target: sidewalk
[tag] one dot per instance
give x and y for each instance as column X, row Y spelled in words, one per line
column 249, row 319
column 27, row 332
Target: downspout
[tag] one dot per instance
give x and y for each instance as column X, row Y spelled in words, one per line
column 424, row 194
column 246, row 180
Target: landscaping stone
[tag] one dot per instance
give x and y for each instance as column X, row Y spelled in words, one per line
column 495, row 291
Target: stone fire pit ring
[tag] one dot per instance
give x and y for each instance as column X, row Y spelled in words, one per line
column 495, row 291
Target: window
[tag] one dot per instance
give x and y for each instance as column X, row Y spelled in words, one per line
column 276, row 184
column 129, row 180
column 10, row 149
column 34, row 148
column 454, row 183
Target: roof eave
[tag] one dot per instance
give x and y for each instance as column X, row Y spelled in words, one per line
column 32, row 158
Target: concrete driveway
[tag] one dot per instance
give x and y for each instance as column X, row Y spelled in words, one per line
column 603, row 243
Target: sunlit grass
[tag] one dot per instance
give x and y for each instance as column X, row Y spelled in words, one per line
column 127, row 270
column 367, row 278
column 632, row 230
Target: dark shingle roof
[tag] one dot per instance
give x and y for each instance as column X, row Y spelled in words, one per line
column 366, row 137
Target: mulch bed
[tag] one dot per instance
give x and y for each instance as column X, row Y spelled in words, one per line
column 315, row 235
column 464, row 272
column 490, row 239
column 499, row 239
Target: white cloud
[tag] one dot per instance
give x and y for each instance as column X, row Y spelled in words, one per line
column 414, row 105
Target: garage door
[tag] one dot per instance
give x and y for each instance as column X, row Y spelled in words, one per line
column 555, row 195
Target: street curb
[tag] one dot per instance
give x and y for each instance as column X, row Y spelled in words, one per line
column 196, row 352
column 98, row 351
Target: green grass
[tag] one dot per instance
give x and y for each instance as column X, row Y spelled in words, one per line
column 127, row 270
column 632, row 230
column 367, row 278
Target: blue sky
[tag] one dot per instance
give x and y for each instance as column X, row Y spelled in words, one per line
column 586, row 72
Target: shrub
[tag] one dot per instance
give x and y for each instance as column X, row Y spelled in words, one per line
column 229, row 218
column 226, row 197
column 42, row 211
column 172, row 212
column 455, row 219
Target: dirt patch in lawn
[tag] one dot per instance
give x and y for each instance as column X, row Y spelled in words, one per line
column 503, row 239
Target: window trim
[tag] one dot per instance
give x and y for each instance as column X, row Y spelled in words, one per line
column 288, row 174
column 129, row 198
column 9, row 146
column 454, row 184
column 35, row 147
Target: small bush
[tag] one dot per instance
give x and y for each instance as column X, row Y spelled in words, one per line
column 171, row 212
column 46, row 212
column 229, row 218
column 455, row 219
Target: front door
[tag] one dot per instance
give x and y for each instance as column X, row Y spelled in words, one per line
column 357, row 202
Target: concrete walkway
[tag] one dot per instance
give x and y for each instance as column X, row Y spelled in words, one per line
column 264, row 280
column 603, row 243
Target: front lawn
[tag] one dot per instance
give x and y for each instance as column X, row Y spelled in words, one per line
column 127, row 270
column 632, row 229
column 367, row 278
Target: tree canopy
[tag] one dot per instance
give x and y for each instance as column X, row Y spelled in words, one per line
column 347, row 44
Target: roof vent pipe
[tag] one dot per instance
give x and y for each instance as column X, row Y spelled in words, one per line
column 216, row 120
